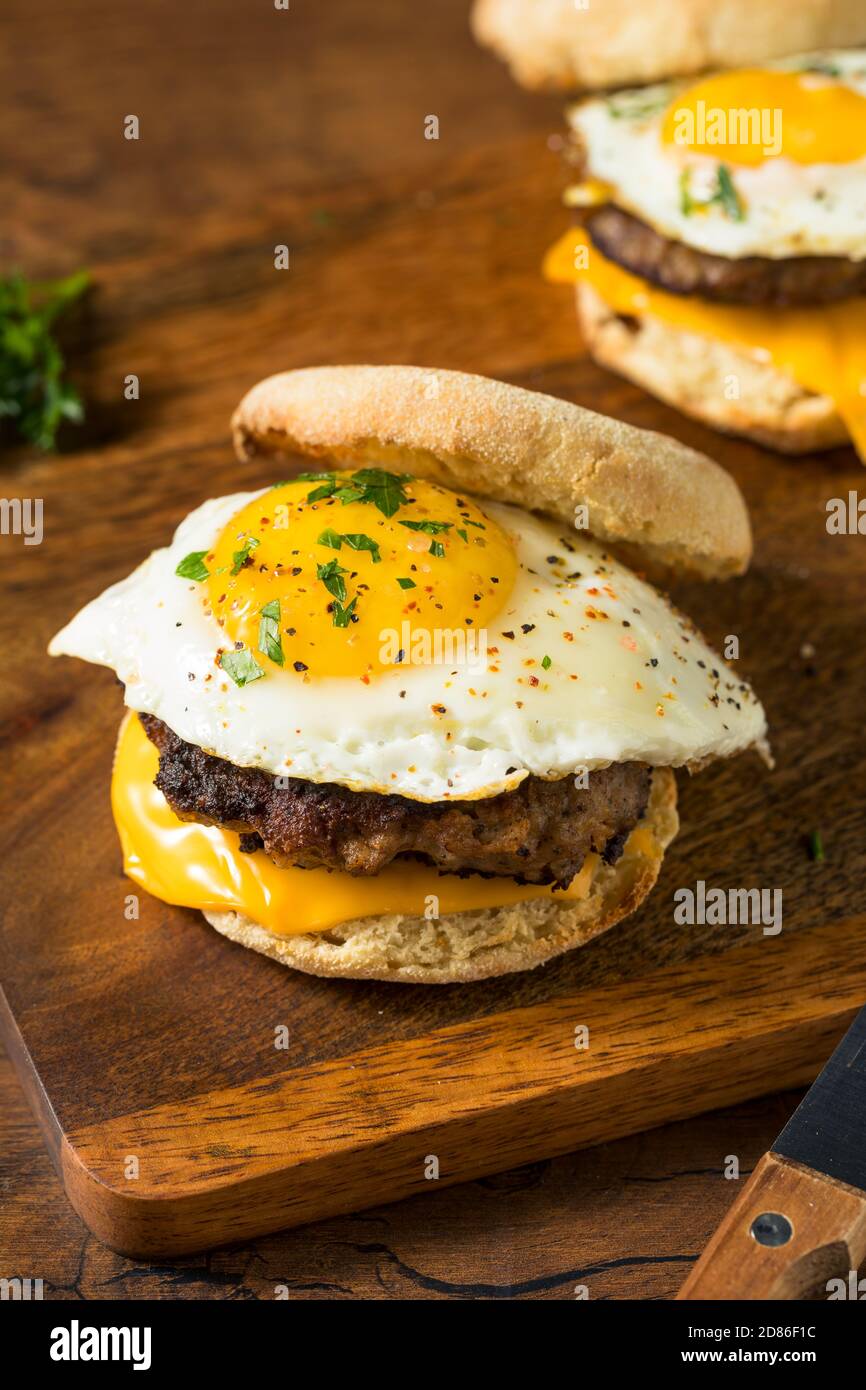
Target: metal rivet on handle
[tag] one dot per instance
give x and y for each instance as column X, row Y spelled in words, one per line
column 771, row 1228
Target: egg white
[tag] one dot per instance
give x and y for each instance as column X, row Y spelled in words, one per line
column 647, row 686
column 792, row 209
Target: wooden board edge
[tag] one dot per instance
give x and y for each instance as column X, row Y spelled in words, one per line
column 668, row 1088
column 31, row 1085
column 240, row 1161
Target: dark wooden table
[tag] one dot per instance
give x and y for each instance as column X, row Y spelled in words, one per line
column 306, row 127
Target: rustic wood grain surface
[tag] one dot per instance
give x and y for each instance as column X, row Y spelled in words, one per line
column 305, row 127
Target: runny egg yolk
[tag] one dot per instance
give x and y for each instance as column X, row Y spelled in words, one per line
column 750, row 116
column 322, row 574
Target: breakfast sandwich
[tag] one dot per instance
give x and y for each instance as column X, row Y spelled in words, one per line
column 411, row 713
column 719, row 255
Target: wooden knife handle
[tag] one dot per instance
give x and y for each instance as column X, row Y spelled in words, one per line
column 752, row 1254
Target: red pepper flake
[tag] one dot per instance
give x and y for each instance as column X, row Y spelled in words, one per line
column 533, row 680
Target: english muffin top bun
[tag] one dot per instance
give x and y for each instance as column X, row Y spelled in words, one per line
column 561, row 45
column 670, row 507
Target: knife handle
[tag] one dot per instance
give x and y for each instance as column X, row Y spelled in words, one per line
column 789, row 1231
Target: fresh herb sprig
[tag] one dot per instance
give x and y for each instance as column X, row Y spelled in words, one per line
column 34, row 394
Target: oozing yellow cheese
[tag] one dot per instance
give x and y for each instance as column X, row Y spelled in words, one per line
column 823, row 348
column 200, row 866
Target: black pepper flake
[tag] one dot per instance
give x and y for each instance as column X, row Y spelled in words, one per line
column 653, row 661
column 527, row 627
column 300, row 666
column 509, row 635
column 400, row 655
column 296, row 570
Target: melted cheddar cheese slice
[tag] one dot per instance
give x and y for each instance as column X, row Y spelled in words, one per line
column 200, row 866
column 822, row 348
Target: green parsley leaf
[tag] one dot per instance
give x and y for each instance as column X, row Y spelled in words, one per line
column 384, row 490
column 343, row 616
column 358, row 541
column 241, row 556
column 33, row 392
column 437, row 549
column 270, row 641
column 331, row 538
column 464, row 535
column 430, row 528
column 546, row 663
column 355, row 540
column 331, row 575
column 242, row 667
column 192, row 566
column 326, row 490
column 727, row 195
column 724, row 195
column 407, row 583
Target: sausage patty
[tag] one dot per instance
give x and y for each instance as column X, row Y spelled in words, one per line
column 539, row 833
column 680, row 269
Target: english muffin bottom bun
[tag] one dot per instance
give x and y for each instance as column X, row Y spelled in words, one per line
column 408, row 713
column 568, row 46
column 719, row 250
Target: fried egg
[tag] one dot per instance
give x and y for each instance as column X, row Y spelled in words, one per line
column 387, row 634
column 763, row 161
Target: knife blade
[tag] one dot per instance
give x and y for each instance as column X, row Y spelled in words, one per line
column 800, row 1221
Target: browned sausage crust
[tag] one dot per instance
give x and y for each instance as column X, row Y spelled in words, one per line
column 539, row 833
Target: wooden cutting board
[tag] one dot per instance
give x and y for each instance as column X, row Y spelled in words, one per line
column 148, row 1046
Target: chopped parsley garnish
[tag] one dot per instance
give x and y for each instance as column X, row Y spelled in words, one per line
column 326, row 490
column 638, row 106
column 241, row 557
column 192, row 566
column 724, row 196
column 270, row 641
column 816, row 847
column 546, row 663
column 464, row 535
column 430, row 528
column 343, row 616
column 241, row 666
column 358, row 541
column 331, row 575
column 407, row 583
column 727, row 194
column 384, row 490
column 354, row 540
column 370, row 485
column 437, row 549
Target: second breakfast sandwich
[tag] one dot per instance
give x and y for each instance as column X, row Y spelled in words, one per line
column 409, row 714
